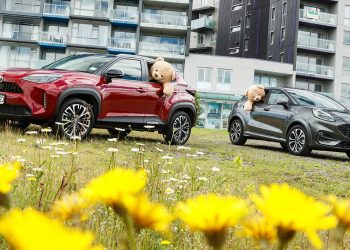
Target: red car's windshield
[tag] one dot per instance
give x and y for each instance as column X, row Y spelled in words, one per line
column 81, row 63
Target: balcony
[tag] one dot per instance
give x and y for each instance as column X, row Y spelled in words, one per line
column 89, row 41
column 169, row 3
column 314, row 71
column 202, row 24
column 125, row 18
column 205, row 8
column 53, row 41
column 166, row 50
column 164, row 22
column 20, row 36
column 315, row 19
column 89, row 13
column 17, row 6
column 323, row 46
column 121, row 46
column 56, row 12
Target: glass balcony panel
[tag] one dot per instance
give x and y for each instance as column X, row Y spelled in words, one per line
column 318, row 18
column 48, row 37
column 20, row 35
column 316, row 43
column 172, row 20
column 92, row 13
column 120, row 43
column 162, row 48
column 315, row 70
column 15, row 5
column 125, row 15
column 56, row 9
column 89, row 41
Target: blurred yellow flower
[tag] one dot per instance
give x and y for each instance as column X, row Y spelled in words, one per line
column 292, row 211
column 260, row 229
column 71, row 206
column 212, row 215
column 8, row 173
column 114, row 186
column 32, row 230
column 341, row 210
column 238, row 160
column 146, row 214
column 165, row 242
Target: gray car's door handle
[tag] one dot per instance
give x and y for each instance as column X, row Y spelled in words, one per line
column 268, row 108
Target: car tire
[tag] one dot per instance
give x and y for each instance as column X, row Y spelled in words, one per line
column 75, row 118
column 179, row 129
column 236, row 133
column 120, row 135
column 298, row 141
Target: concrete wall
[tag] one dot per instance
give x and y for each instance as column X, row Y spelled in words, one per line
column 243, row 70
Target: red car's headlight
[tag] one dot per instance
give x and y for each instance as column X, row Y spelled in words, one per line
column 42, row 78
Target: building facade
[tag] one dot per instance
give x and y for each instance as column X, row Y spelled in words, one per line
column 312, row 35
column 222, row 80
column 36, row 32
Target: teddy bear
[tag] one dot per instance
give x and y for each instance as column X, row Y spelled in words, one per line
column 162, row 71
column 255, row 93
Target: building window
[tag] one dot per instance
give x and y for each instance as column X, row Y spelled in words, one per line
column 283, row 33
column 269, row 80
column 247, row 21
column 347, row 15
column 213, row 37
column 272, row 37
column 234, row 51
column 346, row 39
column 224, row 80
column 309, row 85
column 282, row 57
column 346, row 66
column 284, row 8
column 246, row 44
column 235, row 28
column 200, row 38
column 204, row 78
column 345, row 93
column 236, row 7
column 273, row 13
column 249, row 2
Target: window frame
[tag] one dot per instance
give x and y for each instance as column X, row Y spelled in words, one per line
column 142, row 78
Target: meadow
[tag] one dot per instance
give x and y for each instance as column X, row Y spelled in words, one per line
column 209, row 163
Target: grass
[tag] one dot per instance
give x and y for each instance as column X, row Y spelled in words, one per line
column 188, row 174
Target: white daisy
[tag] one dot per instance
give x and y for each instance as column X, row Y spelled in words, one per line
column 215, row 169
column 112, row 150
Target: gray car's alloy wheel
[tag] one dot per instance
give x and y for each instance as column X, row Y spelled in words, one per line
column 236, row 133
column 75, row 119
column 179, row 129
column 297, row 141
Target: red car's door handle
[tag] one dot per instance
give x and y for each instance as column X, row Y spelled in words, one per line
column 141, row 90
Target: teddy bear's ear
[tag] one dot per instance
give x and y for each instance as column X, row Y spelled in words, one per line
column 261, row 87
column 160, row 59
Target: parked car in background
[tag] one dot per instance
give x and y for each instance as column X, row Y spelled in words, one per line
column 300, row 120
column 80, row 92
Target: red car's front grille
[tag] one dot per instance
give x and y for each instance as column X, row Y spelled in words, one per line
column 10, row 87
column 14, row 110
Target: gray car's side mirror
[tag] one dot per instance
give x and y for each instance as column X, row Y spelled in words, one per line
column 283, row 102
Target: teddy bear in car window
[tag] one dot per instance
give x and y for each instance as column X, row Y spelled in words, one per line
column 255, row 93
column 162, row 72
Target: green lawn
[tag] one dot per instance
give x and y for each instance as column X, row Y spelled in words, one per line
column 263, row 163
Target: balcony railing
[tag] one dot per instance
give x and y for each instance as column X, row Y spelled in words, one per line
column 122, row 44
column 59, row 10
column 170, row 1
column 313, row 70
column 202, row 24
column 125, row 16
column 168, row 20
column 52, row 38
column 15, row 5
column 91, row 13
column 162, row 49
column 101, row 42
column 316, row 43
column 319, row 18
column 19, row 35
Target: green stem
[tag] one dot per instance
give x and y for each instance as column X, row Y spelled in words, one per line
column 130, row 232
column 282, row 245
column 337, row 237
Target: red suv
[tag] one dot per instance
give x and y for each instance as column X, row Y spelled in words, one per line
column 80, row 92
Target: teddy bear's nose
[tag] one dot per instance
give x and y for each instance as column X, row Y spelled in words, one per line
column 155, row 74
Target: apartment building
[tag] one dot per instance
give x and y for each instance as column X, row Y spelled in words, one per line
column 312, row 35
column 204, row 26
column 36, row 32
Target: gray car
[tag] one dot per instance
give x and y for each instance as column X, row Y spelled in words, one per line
column 300, row 120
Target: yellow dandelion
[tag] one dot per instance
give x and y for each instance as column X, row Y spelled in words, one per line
column 259, row 229
column 212, row 215
column 292, row 211
column 32, row 230
column 71, row 206
column 341, row 210
column 146, row 214
column 8, row 173
column 238, row 160
column 114, row 186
